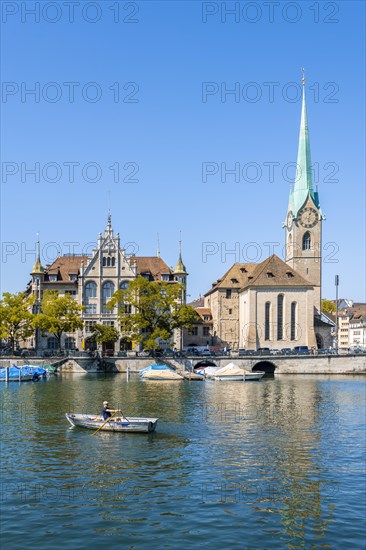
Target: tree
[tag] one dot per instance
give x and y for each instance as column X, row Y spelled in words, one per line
column 149, row 311
column 104, row 333
column 16, row 317
column 59, row 314
column 328, row 306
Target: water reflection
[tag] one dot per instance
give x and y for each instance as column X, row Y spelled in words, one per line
column 274, row 455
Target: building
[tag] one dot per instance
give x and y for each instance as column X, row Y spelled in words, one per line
column 276, row 303
column 352, row 327
column 92, row 281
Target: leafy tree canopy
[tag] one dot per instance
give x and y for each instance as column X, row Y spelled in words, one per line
column 328, row 306
column 149, row 311
column 16, row 317
column 59, row 314
column 104, row 333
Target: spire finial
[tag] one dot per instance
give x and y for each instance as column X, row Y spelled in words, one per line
column 303, row 76
column 38, row 249
column 158, row 249
column 180, row 243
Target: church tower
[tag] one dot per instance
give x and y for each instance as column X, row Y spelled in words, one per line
column 304, row 216
column 180, row 273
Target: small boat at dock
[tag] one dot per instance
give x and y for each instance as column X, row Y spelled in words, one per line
column 159, row 372
column 115, row 424
column 233, row 373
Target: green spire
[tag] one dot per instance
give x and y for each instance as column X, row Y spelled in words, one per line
column 38, row 267
column 304, row 177
column 180, row 268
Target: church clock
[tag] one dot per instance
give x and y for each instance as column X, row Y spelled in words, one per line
column 308, row 217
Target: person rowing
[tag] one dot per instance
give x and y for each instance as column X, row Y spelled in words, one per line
column 107, row 412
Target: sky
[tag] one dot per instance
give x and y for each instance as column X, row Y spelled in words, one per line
column 180, row 117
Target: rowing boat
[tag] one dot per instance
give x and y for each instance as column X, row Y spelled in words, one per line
column 117, row 424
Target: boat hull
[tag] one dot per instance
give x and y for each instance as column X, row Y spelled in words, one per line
column 118, row 424
column 246, row 377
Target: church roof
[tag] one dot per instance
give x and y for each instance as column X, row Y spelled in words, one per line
column 235, row 277
column 203, row 312
column 274, row 272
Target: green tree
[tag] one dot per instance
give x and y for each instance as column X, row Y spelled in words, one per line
column 16, row 317
column 328, row 306
column 149, row 311
column 104, row 333
column 59, row 314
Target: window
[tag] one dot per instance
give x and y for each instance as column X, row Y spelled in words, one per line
column 90, row 309
column 73, row 277
column 193, row 331
column 89, row 326
column 90, row 290
column 104, row 261
column 107, row 293
column 234, row 280
column 230, row 311
column 206, row 331
column 306, row 241
column 113, row 262
column 243, row 270
column 267, row 320
column 228, row 294
column 165, row 277
column 108, row 262
column 127, row 308
column 289, row 275
column 293, row 321
column 69, row 343
column 270, row 275
column 52, row 278
column 280, row 317
column 51, row 342
column 123, row 285
column 71, row 292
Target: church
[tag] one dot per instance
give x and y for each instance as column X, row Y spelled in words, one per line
column 276, row 304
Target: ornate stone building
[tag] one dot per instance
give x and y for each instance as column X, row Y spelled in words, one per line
column 276, row 303
column 92, row 280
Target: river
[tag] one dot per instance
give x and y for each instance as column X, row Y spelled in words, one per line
column 278, row 463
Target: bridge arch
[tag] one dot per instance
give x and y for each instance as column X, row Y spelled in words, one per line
column 265, row 366
column 204, row 363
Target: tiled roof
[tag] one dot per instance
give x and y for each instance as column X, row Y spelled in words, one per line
column 274, row 272
column 151, row 264
column 64, row 266
column 197, row 303
column 235, row 277
column 202, row 312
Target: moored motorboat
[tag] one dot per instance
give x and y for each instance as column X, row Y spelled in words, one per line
column 159, row 372
column 115, row 424
column 233, row 373
column 16, row 374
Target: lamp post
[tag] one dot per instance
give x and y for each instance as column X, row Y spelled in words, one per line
column 336, row 331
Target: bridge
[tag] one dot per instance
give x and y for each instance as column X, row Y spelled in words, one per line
column 277, row 364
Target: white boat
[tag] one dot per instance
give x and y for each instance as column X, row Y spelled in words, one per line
column 207, row 372
column 115, row 424
column 233, row 373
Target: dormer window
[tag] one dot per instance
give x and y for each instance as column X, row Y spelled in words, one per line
column 234, row 280
column 270, row 275
column 243, row 270
column 289, row 274
column 73, row 278
column 250, row 278
column 53, row 278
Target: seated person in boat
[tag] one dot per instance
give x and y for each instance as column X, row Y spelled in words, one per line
column 106, row 411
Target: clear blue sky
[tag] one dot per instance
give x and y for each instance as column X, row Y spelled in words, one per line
column 169, row 132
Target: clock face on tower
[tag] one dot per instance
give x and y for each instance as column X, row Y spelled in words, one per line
column 308, row 217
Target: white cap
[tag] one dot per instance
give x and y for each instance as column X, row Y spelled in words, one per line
column 105, row 402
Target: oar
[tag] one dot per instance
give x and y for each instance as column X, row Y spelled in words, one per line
column 124, row 416
column 104, row 423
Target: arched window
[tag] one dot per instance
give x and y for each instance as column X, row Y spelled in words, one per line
column 123, row 285
column 107, row 293
column 280, row 317
column 90, row 290
column 113, row 262
column 293, row 321
column 104, row 261
column 51, row 342
column 306, row 241
column 267, row 315
column 69, row 342
column 108, row 262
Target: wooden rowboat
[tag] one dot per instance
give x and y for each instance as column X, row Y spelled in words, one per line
column 115, row 424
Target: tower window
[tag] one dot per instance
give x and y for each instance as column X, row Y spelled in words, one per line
column 228, row 293
column 306, row 241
